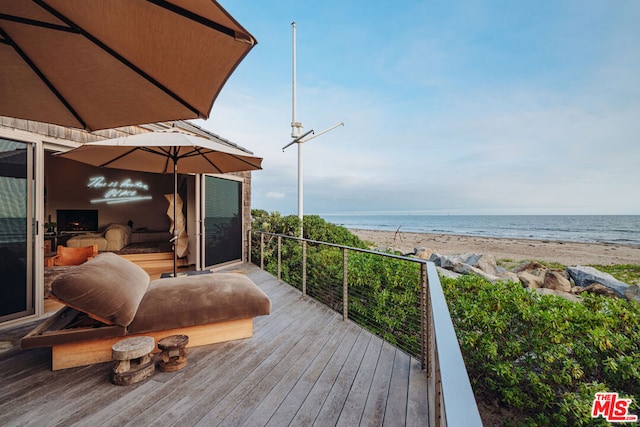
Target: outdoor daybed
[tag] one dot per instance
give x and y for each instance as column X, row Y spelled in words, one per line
column 109, row 298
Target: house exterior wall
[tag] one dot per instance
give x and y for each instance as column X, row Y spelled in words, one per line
column 54, row 134
column 61, row 133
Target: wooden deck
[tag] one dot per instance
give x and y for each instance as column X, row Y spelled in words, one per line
column 304, row 366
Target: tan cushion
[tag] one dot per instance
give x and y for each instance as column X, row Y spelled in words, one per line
column 88, row 239
column 108, row 288
column 118, row 236
column 198, row 300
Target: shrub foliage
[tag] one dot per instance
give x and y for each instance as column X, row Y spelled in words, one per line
column 544, row 355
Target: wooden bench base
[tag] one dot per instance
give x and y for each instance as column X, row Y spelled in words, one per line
column 82, row 353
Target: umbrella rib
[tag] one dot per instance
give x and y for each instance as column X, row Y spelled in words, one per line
column 40, row 74
column 120, row 58
column 106, row 164
column 36, row 23
column 193, row 17
column 246, row 162
column 199, row 151
column 164, row 153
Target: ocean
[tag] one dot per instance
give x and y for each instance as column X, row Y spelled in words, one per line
column 618, row 229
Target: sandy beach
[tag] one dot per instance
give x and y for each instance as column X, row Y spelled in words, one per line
column 567, row 253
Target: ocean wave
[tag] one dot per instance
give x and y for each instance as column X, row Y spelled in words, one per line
column 574, row 228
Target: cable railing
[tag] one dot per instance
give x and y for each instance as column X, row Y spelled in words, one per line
column 398, row 298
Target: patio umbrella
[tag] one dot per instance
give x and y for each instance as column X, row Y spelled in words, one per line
column 169, row 151
column 107, row 63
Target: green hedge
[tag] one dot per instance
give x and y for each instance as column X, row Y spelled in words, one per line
column 544, row 355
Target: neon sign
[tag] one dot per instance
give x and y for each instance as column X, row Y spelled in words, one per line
column 124, row 191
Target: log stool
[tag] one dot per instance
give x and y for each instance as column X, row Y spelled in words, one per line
column 135, row 360
column 173, row 355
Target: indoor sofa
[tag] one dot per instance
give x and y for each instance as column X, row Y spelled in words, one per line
column 110, row 298
column 113, row 238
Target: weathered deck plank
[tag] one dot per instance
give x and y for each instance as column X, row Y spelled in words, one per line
column 353, row 408
column 289, row 405
column 245, row 376
column 396, row 412
column 245, row 407
column 243, row 396
column 373, row 414
column 320, row 388
column 332, row 406
column 417, row 410
column 303, row 366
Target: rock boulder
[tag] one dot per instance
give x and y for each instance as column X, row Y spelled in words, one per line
column 507, row 276
column 530, row 281
column 585, row 276
column 486, row 263
column 463, row 268
column 423, row 253
column 447, row 273
column 448, row 261
column 532, row 267
column 632, row 293
column 436, row 259
column 597, row 288
column 554, row 279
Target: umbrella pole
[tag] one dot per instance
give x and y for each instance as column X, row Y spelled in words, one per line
column 175, row 228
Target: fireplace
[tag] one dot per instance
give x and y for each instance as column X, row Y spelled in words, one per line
column 77, row 220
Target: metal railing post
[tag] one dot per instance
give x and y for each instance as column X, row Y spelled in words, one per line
column 304, row 267
column 424, row 318
column 430, row 337
column 249, row 247
column 345, row 285
column 279, row 257
column 261, row 251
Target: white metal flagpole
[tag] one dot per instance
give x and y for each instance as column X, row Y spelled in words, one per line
column 296, row 127
column 296, row 130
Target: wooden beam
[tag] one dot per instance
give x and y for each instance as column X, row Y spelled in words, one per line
column 85, row 353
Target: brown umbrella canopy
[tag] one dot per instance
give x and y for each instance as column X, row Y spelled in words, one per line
column 106, row 63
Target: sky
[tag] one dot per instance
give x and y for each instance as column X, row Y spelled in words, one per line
column 465, row 107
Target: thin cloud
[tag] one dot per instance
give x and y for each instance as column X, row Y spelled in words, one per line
column 467, row 108
column 275, row 195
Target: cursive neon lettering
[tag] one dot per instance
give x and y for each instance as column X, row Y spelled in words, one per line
column 123, row 191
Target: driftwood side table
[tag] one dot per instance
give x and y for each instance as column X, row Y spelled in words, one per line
column 135, row 360
column 173, row 355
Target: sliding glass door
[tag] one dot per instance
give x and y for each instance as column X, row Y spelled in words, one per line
column 222, row 220
column 16, row 230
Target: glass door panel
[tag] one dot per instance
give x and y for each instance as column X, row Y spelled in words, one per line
column 16, row 230
column 222, row 205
